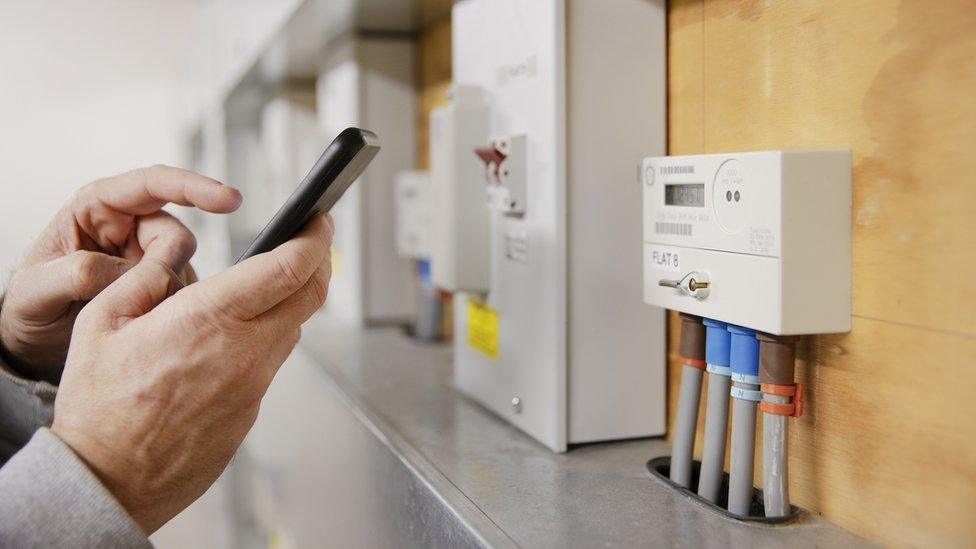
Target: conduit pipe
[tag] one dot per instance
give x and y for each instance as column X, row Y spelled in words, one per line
column 744, row 360
column 781, row 399
column 692, row 351
column 717, row 340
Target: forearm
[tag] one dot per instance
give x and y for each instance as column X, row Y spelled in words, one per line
column 51, row 499
column 25, row 406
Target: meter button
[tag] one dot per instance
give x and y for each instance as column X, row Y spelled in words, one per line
column 733, row 212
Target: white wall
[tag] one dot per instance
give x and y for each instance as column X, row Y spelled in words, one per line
column 87, row 89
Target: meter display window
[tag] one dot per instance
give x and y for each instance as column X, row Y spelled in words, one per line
column 685, row 194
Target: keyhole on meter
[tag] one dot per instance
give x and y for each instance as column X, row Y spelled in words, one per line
column 695, row 285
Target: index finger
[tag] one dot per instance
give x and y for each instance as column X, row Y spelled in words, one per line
column 258, row 283
column 146, row 190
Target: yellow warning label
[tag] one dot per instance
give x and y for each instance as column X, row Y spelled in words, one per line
column 483, row 328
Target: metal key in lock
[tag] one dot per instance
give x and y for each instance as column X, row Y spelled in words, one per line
column 694, row 284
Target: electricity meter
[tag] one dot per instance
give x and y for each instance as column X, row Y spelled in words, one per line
column 757, row 239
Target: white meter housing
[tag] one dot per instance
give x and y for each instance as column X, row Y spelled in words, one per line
column 459, row 218
column 758, row 239
column 559, row 342
column 413, row 211
column 368, row 82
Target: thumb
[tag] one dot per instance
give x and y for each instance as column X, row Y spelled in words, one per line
column 79, row 276
column 136, row 293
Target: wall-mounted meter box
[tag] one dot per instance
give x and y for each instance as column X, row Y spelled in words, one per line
column 368, row 82
column 459, row 219
column 292, row 141
column 413, row 209
column 558, row 341
column 758, row 239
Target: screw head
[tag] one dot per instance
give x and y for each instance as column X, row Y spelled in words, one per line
column 649, row 175
column 517, row 405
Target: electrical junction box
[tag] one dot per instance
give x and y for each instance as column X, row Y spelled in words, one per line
column 368, row 82
column 413, row 201
column 558, row 342
column 459, row 219
column 757, row 239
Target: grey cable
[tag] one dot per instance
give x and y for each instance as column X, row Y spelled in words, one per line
column 743, row 452
column 776, row 496
column 716, row 422
column 685, row 425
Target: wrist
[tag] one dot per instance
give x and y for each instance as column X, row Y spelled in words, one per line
column 111, row 470
column 17, row 363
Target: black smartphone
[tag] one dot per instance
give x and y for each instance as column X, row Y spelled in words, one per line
column 341, row 163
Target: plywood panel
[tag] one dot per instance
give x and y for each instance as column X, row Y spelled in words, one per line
column 888, row 447
column 894, row 82
column 434, row 47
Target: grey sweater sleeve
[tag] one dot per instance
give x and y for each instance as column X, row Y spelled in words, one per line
column 49, row 496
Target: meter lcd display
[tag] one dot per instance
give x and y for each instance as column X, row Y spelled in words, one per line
column 685, row 194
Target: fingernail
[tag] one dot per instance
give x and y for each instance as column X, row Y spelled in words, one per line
column 238, row 197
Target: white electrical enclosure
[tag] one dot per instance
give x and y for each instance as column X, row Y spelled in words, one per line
column 292, row 141
column 369, row 83
column 769, row 232
column 459, row 219
column 413, row 208
column 560, row 343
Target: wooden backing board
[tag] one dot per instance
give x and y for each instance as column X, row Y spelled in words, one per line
column 887, row 448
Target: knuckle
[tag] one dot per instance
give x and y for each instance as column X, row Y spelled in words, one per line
column 84, row 273
column 163, row 269
column 185, row 243
column 213, row 314
column 154, row 169
column 292, row 269
column 319, row 287
column 150, row 173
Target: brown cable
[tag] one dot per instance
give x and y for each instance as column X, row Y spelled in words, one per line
column 692, row 337
column 777, row 359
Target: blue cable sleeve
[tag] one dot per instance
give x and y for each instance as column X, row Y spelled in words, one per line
column 717, row 340
column 423, row 269
column 744, row 351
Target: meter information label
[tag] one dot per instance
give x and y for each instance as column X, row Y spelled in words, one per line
column 665, row 259
column 482, row 328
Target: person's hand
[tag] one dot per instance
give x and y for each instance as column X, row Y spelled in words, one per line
column 158, row 393
column 105, row 228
